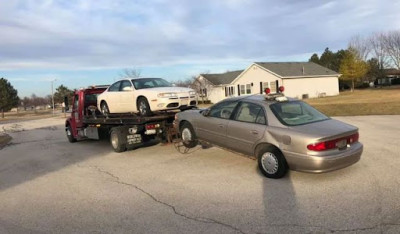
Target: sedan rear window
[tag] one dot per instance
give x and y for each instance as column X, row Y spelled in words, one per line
column 296, row 113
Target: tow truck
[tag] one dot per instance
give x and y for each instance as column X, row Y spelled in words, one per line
column 123, row 130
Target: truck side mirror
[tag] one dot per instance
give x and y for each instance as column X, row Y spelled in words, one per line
column 66, row 103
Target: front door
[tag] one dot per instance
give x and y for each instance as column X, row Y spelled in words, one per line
column 246, row 128
column 213, row 127
column 126, row 97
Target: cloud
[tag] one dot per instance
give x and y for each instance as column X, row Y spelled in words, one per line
column 88, row 34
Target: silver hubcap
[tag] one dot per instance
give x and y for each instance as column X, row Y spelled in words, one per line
column 186, row 135
column 105, row 109
column 114, row 140
column 142, row 107
column 269, row 162
column 68, row 132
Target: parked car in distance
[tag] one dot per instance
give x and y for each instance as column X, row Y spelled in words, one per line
column 283, row 133
column 144, row 96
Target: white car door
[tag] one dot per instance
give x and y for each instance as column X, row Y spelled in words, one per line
column 112, row 98
column 126, row 95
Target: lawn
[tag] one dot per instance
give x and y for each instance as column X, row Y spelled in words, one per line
column 374, row 101
column 27, row 115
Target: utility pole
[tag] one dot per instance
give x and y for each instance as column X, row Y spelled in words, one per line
column 52, row 94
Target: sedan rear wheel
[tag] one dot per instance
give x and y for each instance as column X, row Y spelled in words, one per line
column 271, row 162
column 104, row 109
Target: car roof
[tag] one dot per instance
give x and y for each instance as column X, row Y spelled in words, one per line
column 258, row 98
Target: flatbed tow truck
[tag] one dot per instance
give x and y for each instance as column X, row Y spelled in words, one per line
column 124, row 130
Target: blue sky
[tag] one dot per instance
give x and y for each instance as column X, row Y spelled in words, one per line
column 85, row 42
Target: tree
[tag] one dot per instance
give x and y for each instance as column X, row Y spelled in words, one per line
column 314, row 58
column 61, row 92
column 392, row 47
column 374, row 70
column 361, row 46
column 327, row 59
column 352, row 67
column 131, row 73
column 184, row 83
column 8, row 96
column 377, row 44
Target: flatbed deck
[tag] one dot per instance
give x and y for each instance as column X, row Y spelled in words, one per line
column 118, row 119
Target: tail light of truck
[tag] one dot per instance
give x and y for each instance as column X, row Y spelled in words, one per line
column 152, row 126
column 332, row 144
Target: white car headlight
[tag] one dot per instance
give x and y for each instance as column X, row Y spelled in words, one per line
column 167, row 95
column 192, row 93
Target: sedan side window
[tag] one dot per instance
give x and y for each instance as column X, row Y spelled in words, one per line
column 114, row 87
column 125, row 85
column 251, row 113
column 223, row 110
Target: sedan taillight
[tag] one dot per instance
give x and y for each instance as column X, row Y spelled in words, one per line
column 332, row 144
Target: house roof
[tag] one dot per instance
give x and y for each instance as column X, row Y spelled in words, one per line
column 392, row 71
column 300, row 69
column 223, row 78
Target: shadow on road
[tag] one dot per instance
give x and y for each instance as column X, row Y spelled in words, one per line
column 37, row 152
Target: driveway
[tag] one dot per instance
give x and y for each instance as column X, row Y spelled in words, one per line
column 48, row 185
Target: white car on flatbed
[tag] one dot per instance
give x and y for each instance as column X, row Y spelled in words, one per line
column 144, row 96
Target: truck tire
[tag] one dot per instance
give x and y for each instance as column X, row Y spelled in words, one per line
column 188, row 135
column 117, row 140
column 104, row 109
column 68, row 131
column 143, row 107
column 271, row 162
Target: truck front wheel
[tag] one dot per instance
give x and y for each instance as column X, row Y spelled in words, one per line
column 70, row 136
column 117, row 140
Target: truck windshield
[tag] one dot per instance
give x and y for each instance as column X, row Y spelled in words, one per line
column 296, row 113
column 150, row 83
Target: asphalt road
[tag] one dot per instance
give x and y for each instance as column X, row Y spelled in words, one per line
column 48, row 185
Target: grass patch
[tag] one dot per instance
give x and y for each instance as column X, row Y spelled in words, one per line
column 379, row 101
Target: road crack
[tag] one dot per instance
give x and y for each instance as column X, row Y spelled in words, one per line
column 116, row 179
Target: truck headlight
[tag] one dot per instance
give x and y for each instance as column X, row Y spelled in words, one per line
column 167, row 95
column 192, row 93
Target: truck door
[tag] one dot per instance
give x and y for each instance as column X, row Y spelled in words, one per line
column 77, row 111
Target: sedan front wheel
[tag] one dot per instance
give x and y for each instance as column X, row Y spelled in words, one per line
column 188, row 135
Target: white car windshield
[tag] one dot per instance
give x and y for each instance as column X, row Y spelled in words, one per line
column 150, row 83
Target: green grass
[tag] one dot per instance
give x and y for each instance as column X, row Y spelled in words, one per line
column 376, row 101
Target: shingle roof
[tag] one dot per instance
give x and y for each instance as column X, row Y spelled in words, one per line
column 224, row 78
column 285, row 69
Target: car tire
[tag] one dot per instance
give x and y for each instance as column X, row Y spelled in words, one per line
column 143, row 107
column 117, row 140
column 271, row 162
column 188, row 135
column 104, row 109
column 68, row 131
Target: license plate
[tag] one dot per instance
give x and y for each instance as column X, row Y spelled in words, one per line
column 341, row 143
column 134, row 139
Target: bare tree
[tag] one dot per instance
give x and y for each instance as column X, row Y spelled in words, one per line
column 392, row 47
column 377, row 45
column 130, row 73
column 202, row 86
column 361, row 46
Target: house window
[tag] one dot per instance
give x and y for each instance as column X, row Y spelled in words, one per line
column 232, row 91
column 226, row 91
column 273, row 86
column 203, row 92
column 248, row 89
column 242, row 89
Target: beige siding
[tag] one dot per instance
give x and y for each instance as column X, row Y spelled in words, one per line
column 216, row 94
column 255, row 75
column 313, row 87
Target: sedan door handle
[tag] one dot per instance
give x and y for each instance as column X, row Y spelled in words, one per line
column 220, row 125
column 254, row 132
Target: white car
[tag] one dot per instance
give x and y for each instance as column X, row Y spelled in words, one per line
column 144, row 96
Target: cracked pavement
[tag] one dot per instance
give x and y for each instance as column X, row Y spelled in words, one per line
column 48, row 185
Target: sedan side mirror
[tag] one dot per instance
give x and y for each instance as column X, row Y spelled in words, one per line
column 205, row 112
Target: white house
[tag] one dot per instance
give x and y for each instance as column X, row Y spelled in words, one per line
column 300, row 79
